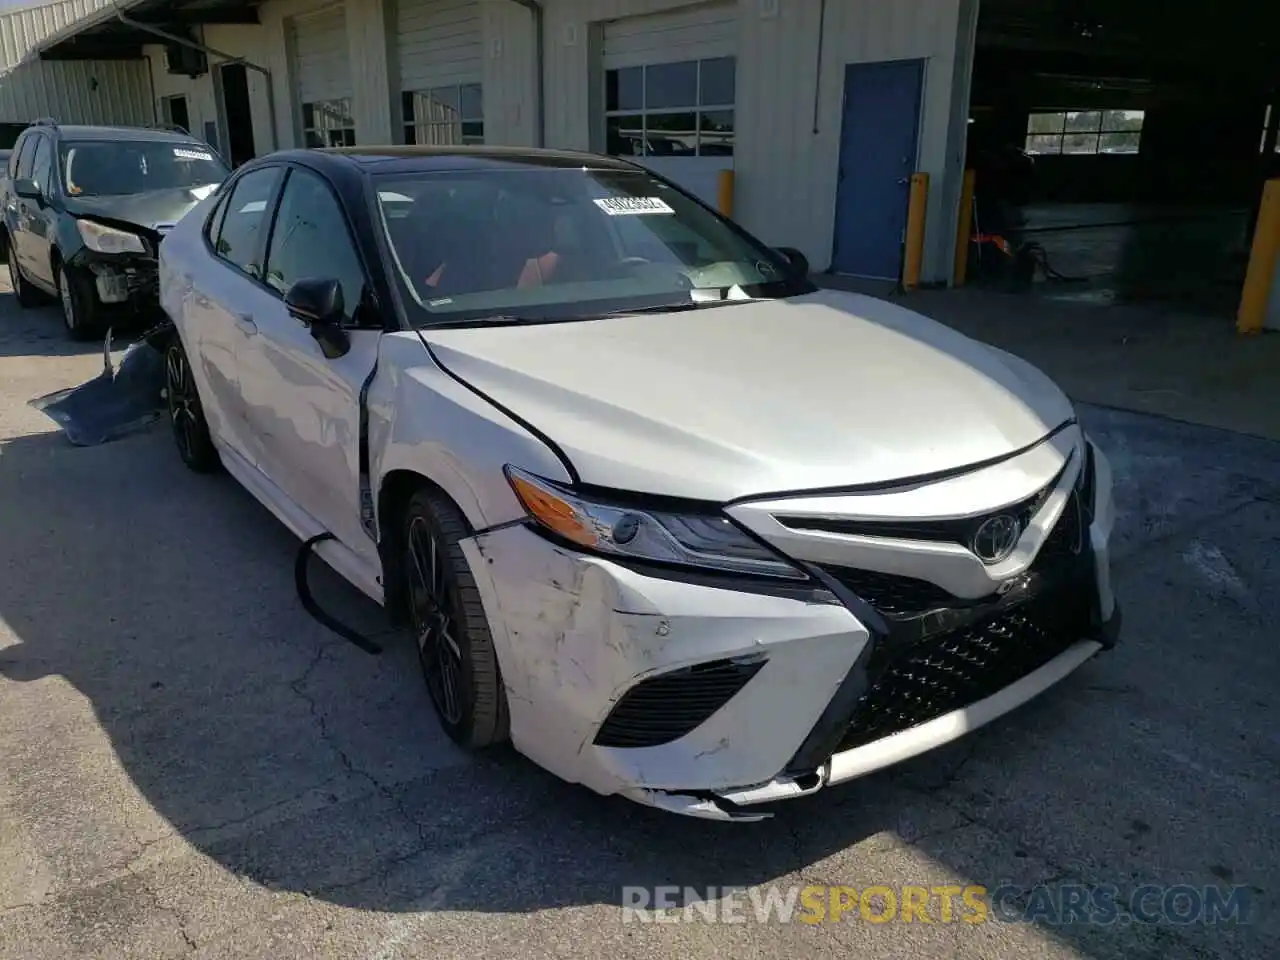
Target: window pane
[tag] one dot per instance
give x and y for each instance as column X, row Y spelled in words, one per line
column 1039, row 123
column 246, row 217
column 406, row 106
column 443, row 102
column 410, row 134
column 671, row 134
column 1118, row 121
column 311, row 240
column 715, row 133
column 624, row 89
column 473, row 132
column 624, row 136
column 471, row 102
column 1084, row 122
column 718, row 82
column 671, row 85
column 1119, row 142
column 1080, row 143
column 1044, row 143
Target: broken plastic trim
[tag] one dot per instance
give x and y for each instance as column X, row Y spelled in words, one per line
column 308, row 600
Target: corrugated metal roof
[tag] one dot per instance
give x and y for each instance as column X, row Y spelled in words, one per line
column 24, row 33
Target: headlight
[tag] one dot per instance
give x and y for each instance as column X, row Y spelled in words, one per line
column 692, row 540
column 103, row 239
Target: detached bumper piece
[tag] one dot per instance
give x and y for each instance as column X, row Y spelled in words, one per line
column 664, row 708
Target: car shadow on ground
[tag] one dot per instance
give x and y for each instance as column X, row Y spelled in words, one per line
column 39, row 331
column 296, row 761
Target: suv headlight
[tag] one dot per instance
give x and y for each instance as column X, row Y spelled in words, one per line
column 706, row 540
column 103, row 239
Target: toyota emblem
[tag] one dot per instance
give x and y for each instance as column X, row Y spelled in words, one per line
column 996, row 538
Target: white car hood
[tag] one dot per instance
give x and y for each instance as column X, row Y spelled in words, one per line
column 826, row 390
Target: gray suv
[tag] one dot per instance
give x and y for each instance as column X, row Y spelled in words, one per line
column 85, row 209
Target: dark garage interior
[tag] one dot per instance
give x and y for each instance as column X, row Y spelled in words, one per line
column 1121, row 148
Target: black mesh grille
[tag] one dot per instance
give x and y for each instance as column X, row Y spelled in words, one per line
column 666, row 707
column 891, row 594
column 954, row 670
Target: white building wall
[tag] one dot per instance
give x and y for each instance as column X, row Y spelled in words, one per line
column 787, row 152
column 238, row 40
column 508, row 71
column 83, row 91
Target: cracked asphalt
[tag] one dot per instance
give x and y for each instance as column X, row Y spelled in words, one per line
column 191, row 767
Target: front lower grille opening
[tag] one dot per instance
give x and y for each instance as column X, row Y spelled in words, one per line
column 891, row 594
column 665, row 708
column 955, row 670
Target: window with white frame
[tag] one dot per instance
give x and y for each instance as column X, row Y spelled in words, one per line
column 328, row 123
column 671, row 109
column 1085, row 132
column 444, row 116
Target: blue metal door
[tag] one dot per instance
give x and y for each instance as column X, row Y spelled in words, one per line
column 878, row 139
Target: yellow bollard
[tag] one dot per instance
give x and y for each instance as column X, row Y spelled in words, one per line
column 964, row 229
column 724, row 192
column 914, row 252
column 1256, row 295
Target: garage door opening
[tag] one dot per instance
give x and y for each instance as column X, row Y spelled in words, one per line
column 670, row 84
column 1124, row 146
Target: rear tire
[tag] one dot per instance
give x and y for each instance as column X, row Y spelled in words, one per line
column 26, row 295
column 186, row 415
column 81, row 315
column 455, row 646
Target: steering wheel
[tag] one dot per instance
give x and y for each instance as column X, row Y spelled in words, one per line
column 634, row 262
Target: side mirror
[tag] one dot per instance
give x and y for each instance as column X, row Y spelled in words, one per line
column 798, row 261
column 317, row 304
column 27, row 189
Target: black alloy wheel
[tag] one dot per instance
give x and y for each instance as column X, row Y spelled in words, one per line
column 455, row 647
column 186, row 416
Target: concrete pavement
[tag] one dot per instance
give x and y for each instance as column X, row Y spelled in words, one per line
column 191, row 767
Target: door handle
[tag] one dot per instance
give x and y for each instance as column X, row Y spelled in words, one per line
column 245, row 322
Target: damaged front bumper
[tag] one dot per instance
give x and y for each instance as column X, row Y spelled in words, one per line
column 128, row 283
column 713, row 698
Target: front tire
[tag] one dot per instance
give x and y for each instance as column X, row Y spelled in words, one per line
column 26, row 295
column 455, row 646
column 186, row 415
column 81, row 315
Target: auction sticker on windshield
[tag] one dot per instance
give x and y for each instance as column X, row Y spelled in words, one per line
column 633, row 206
column 182, row 154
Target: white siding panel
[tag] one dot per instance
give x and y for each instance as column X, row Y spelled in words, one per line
column 789, row 116
column 77, row 91
column 440, row 42
column 84, row 91
column 790, row 89
column 691, row 34
column 322, row 56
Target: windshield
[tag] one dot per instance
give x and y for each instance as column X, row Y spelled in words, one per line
column 563, row 244
column 110, row 168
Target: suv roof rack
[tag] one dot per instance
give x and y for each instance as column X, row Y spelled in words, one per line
column 45, row 122
column 171, row 127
